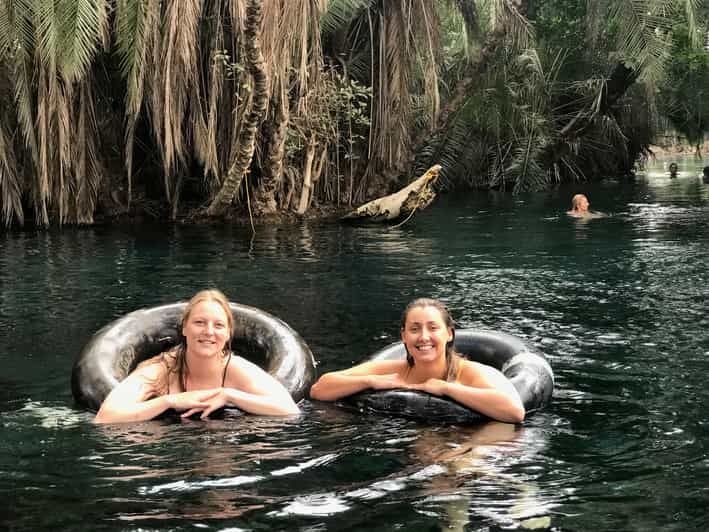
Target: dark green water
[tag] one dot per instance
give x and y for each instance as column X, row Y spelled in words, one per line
column 618, row 304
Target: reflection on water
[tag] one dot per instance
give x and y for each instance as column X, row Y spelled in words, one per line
column 618, row 304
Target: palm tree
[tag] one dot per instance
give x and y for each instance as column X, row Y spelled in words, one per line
column 312, row 100
column 243, row 148
column 577, row 111
column 49, row 48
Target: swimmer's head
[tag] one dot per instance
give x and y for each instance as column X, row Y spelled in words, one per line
column 579, row 203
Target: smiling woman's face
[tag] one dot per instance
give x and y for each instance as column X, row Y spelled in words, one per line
column 206, row 329
column 425, row 334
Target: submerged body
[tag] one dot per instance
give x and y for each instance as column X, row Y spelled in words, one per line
column 431, row 366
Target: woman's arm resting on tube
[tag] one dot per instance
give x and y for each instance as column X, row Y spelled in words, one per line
column 252, row 390
column 378, row 374
column 133, row 399
column 484, row 389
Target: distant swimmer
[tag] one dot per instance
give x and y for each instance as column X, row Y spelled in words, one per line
column 579, row 208
column 673, row 170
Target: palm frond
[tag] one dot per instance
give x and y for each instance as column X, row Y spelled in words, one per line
column 428, row 56
column 644, row 39
column 16, row 27
column 135, row 23
column 48, row 32
column 177, row 72
column 61, row 180
column 83, row 27
column 136, row 28
column 523, row 167
column 206, row 128
column 24, row 98
column 340, row 13
column 691, row 9
column 46, row 100
column 87, row 168
column 10, row 181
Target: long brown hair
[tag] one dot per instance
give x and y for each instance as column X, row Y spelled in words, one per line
column 453, row 358
column 175, row 360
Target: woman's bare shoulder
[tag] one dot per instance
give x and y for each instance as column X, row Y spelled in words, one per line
column 477, row 374
column 242, row 369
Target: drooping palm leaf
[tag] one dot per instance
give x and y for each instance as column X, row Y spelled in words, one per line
column 16, row 28
column 340, row 13
column 136, row 26
column 10, row 181
column 83, row 27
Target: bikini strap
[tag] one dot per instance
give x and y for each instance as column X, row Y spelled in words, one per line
column 226, row 367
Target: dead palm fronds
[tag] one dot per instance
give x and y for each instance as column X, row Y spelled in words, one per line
column 10, row 181
column 136, row 25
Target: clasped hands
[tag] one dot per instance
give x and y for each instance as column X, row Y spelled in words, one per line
column 204, row 401
column 393, row 380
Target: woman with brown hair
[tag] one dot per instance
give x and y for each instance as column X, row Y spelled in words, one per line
column 431, row 365
column 198, row 376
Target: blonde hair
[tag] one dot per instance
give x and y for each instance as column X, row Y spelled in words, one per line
column 175, row 360
column 576, row 200
column 211, row 294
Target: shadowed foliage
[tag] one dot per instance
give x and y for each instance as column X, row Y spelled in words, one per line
column 172, row 108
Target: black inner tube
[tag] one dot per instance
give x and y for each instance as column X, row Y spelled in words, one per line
column 115, row 350
column 527, row 369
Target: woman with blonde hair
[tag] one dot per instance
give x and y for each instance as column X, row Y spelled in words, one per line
column 198, row 376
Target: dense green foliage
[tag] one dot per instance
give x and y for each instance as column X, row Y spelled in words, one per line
column 684, row 93
column 177, row 108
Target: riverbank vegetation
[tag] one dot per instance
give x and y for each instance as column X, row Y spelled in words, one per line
column 193, row 109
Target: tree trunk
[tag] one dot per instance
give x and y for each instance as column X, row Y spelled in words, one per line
column 415, row 196
column 317, row 172
column 272, row 172
column 246, row 141
column 307, row 176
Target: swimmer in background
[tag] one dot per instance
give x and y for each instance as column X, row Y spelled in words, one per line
column 579, row 208
column 673, row 170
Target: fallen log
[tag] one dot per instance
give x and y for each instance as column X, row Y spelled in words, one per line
column 415, row 196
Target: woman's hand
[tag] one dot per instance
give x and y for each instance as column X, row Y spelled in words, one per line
column 217, row 399
column 433, row 386
column 196, row 400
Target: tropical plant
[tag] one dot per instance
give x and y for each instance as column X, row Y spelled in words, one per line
column 684, row 93
column 113, row 106
column 556, row 123
column 48, row 51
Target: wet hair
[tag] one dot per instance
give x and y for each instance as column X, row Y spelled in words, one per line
column 453, row 358
column 705, row 170
column 576, row 200
column 175, row 360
